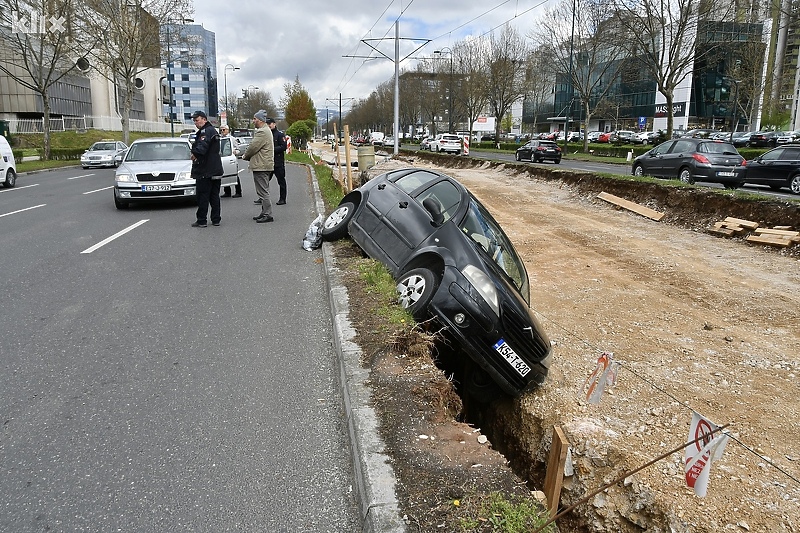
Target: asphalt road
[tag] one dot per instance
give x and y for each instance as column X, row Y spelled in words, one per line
column 171, row 379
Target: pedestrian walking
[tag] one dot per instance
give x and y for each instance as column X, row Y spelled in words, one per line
column 206, row 170
column 261, row 155
column 279, row 139
column 225, row 131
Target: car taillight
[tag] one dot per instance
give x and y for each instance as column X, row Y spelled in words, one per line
column 744, row 162
column 700, row 158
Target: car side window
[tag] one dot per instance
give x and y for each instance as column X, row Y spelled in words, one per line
column 411, row 182
column 446, row 195
column 662, row 148
column 225, row 147
column 682, row 146
column 773, row 155
column 791, row 154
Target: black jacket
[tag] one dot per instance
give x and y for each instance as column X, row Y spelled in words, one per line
column 279, row 139
column 205, row 148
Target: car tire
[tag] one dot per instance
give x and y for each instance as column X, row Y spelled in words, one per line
column 335, row 226
column 557, row 161
column 479, row 385
column 415, row 289
column 638, row 170
column 516, row 156
column 11, row 178
column 535, row 160
column 685, row 176
column 119, row 204
column 794, row 183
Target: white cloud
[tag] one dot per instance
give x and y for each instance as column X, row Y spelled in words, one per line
column 273, row 42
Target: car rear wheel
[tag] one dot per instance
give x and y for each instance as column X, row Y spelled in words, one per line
column 638, row 170
column 335, row 226
column 686, row 176
column 794, row 183
column 556, row 161
column 416, row 288
column 11, row 178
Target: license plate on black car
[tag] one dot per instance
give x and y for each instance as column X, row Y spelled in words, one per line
column 726, row 173
column 511, row 356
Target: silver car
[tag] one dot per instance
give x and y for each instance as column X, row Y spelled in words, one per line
column 161, row 169
column 103, row 154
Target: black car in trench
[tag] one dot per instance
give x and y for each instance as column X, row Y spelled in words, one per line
column 452, row 261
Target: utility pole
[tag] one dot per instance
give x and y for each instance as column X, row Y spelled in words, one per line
column 341, row 131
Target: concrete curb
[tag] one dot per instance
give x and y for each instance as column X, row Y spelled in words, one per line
column 374, row 477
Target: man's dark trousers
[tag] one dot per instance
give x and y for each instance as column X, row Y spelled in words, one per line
column 208, row 191
column 280, row 175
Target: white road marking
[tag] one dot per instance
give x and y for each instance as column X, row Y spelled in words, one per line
column 98, row 190
column 21, row 210
column 84, row 176
column 18, row 188
column 109, row 239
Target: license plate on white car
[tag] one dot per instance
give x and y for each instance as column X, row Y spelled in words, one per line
column 511, row 356
column 156, row 188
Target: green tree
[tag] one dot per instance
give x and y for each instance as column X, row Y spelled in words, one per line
column 297, row 104
column 300, row 133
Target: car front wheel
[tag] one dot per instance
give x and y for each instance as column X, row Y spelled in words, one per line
column 638, row 170
column 335, row 226
column 794, row 183
column 686, row 176
column 415, row 289
column 11, row 178
column 516, row 156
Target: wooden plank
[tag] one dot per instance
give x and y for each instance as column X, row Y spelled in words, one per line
column 773, row 231
column 631, row 206
column 773, row 240
column 736, row 228
column 725, row 232
column 554, row 477
column 749, row 224
column 787, row 228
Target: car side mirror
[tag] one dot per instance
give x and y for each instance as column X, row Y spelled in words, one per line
column 433, row 207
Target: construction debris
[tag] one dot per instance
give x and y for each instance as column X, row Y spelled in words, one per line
column 631, row 206
column 782, row 236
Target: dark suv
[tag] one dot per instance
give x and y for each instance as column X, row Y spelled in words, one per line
column 780, row 167
column 764, row 139
column 538, row 151
column 691, row 159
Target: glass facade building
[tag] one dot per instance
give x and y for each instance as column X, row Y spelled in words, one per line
column 191, row 53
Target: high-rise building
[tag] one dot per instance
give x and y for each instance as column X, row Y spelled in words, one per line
column 191, row 65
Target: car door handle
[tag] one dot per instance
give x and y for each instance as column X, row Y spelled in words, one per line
column 381, row 186
column 403, row 205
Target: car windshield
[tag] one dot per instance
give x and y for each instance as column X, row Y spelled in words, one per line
column 154, row 151
column 96, row 147
column 479, row 225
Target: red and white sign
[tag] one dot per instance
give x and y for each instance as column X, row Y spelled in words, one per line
column 605, row 373
column 288, row 145
column 699, row 455
column 465, row 145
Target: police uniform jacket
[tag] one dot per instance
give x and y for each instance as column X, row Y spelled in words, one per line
column 207, row 162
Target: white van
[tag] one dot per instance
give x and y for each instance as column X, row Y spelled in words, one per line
column 376, row 138
column 8, row 167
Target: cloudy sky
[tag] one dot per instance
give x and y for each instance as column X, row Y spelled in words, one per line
column 274, row 42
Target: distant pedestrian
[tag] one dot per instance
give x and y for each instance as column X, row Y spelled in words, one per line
column 279, row 140
column 261, row 154
column 225, row 131
column 206, row 170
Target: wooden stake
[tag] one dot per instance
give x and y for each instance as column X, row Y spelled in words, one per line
column 554, row 478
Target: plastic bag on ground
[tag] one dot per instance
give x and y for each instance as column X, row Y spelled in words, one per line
column 313, row 238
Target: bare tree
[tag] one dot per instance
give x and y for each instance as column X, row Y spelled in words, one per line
column 664, row 33
column 41, row 47
column 129, row 41
column 505, row 73
column 591, row 57
column 471, row 95
column 252, row 101
column 539, row 81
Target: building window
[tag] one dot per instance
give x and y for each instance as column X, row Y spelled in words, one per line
column 187, row 116
column 184, row 77
column 184, row 64
column 187, row 103
column 185, row 90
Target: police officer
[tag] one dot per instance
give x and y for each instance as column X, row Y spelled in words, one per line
column 279, row 139
column 206, row 170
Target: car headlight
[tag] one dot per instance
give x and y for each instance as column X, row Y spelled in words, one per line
column 125, row 177
column 184, row 175
column 484, row 285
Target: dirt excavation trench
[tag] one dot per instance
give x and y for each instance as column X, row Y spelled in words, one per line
column 698, row 323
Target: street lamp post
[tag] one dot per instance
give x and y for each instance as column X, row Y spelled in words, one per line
column 449, row 52
column 225, row 77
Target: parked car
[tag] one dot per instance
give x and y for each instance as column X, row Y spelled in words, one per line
column 698, row 133
column 645, row 137
column 780, row 167
column 538, row 151
column 161, row 169
column 593, row 136
column 240, row 145
column 764, row 139
column 692, row 159
column 446, row 142
column 8, row 165
column 425, row 144
column 103, row 154
column 740, row 139
column 788, row 137
column 622, row 136
column 453, row 262
column 604, row 137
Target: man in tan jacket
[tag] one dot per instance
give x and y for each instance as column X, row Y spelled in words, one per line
column 261, row 155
